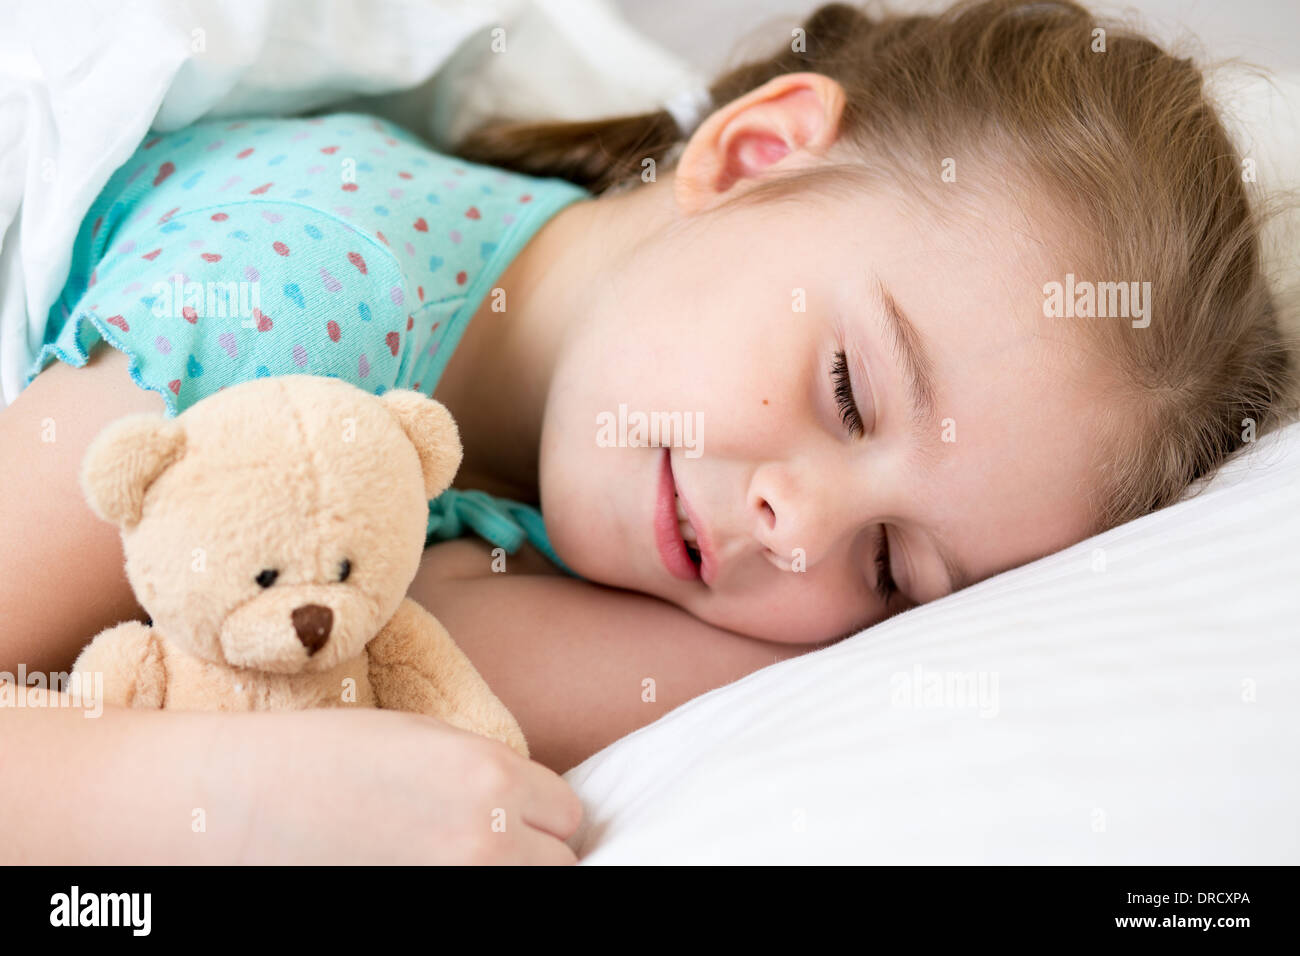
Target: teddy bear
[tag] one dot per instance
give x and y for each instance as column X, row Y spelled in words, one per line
column 271, row 531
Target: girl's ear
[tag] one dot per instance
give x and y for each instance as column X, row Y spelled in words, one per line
column 432, row 431
column 124, row 460
column 792, row 119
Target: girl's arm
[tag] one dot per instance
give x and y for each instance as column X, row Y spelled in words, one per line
column 571, row 660
column 306, row 787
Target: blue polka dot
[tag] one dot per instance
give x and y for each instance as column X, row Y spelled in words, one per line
column 381, row 210
column 312, row 231
column 263, row 372
column 365, row 312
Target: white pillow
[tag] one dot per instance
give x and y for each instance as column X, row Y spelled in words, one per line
column 1133, row 699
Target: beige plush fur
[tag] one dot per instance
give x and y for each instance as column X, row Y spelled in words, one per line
column 293, row 475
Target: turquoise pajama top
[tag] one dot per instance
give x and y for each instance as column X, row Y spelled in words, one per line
column 338, row 245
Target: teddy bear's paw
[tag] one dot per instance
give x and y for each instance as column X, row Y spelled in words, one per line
column 123, row 667
column 416, row 666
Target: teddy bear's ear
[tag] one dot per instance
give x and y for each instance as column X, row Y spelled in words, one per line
column 434, row 434
column 124, row 460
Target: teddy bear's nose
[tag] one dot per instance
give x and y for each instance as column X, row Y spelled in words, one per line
column 313, row 623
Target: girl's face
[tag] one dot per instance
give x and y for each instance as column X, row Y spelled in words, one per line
column 843, row 371
column 734, row 324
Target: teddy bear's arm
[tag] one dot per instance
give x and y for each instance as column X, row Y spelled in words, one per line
column 129, row 660
column 416, row 666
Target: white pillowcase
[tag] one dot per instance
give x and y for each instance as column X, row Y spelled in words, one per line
column 1133, row 699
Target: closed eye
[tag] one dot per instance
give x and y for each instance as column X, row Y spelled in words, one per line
column 842, row 387
column 886, row 587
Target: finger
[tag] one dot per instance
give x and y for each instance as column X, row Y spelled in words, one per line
column 549, row 803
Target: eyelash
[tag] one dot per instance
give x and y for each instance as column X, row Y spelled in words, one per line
column 843, row 391
column 886, row 587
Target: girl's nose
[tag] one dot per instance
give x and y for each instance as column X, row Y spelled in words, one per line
column 796, row 517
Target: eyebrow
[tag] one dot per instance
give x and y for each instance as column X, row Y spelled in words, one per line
column 918, row 370
column 909, row 346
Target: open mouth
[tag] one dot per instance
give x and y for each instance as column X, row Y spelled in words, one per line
column 675, row 538
column 687, row 531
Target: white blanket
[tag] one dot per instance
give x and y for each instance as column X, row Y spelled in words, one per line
column 82, row 82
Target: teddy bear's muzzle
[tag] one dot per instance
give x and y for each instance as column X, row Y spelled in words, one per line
column 299, row 628
column 312, row 623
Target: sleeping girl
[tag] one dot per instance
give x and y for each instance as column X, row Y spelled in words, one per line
column 840, row 274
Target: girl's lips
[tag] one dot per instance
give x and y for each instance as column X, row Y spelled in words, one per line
column 668, row 539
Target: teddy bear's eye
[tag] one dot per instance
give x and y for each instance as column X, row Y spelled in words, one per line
column 345, row 568
column 267, row 578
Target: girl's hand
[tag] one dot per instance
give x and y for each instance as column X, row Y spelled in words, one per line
column 376, row 786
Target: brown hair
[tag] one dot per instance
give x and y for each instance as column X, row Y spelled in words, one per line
column 1124, row 140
